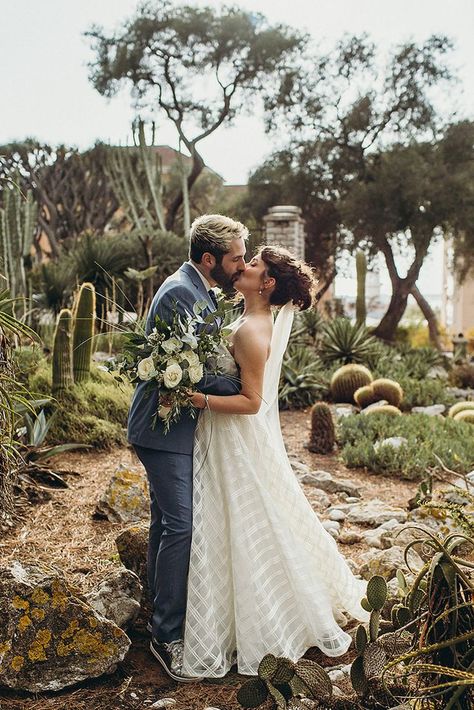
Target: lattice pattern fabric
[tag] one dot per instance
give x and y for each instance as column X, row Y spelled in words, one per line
column 264, row 576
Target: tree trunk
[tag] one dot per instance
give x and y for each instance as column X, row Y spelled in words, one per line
column 430, row 316
column 398, row 303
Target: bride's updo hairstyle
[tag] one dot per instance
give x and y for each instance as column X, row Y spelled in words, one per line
column 294, row 280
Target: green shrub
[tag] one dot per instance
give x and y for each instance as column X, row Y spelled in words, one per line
column 26, row 360
column 423, row 393
column 427, row 437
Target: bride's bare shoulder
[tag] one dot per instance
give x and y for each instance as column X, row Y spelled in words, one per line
column 255, row 329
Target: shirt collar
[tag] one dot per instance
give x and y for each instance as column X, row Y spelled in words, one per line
column 206, row 283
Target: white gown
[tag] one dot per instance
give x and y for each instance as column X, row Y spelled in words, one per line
column 264, row 575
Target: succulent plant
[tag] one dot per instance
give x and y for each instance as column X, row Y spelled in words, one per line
column 389, row 390
column 459, row 407
column 361, row 268
column 385, row 409
column 346, row 343
column 364, row 396
column 466, row 415
column 347, row 380
column 323, row 434
column 84, row 325
column 62, row 377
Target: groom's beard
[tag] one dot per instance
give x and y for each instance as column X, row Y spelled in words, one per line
column 223, row 279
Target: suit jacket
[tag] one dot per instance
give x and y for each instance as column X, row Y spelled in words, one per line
column 181, row 290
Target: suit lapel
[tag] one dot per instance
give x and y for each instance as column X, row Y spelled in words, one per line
column 198, row 285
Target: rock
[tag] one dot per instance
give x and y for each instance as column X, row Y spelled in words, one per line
column 118, row 598
column 332, row 527
column 434, row 410
column 387, row 562
column 459, row 393
column 49, row 637
column 394, row 441
column 336, row 514
column 132, row 546
column 374, row 512
column 352, row 499
column 299, row 467
column 373, row 538
column 349, row 538
column 164, row 703
column 126, row 498
column 344, row 410
column 320, row 498
column 326, row 482
column 380, row 403
column 437, row 373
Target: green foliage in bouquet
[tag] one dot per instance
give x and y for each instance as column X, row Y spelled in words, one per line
column 428, row 440
column 323, row 435
column 347, row 380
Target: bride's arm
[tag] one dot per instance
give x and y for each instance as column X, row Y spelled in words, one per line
column 250, row 352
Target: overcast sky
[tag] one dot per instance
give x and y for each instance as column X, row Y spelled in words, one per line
column 45, row 92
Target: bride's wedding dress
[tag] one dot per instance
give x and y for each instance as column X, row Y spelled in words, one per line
column 264, row 575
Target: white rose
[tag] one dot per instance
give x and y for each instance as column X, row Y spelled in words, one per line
column 196, row 373
column 172, row 345
column 191, row 357
column 146, row 368
column 173, row 375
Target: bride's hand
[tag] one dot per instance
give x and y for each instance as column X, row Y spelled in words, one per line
column 197, row 399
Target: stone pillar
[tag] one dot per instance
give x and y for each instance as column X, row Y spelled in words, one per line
column 284, row 227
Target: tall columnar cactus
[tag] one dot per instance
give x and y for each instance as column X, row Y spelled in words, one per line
column 62, row 354
column 388, row 390
column 323, row 435
column 84, row 325
column 17, row 228
column 347, row 379
column 361, row 307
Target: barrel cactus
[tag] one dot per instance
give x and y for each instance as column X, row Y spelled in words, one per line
column 364, row 396
column 388, row 390
column 62, row 354
column 459, row 407
column 386, row 409
column 347, row 380
column 323, row 434
column 466, row 415
column 84, row 325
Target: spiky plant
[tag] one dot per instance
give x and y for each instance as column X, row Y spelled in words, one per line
column 347, row 380
column 460, row 407
column 346, row 343
column 83, row 333
column 323, row 433
column 364, row 396
column 385, row 409
column 389, row 390
column 62, row 378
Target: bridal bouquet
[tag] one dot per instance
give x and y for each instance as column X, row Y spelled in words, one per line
column 172, row 358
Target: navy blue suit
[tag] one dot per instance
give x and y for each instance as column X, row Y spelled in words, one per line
column 167, row 459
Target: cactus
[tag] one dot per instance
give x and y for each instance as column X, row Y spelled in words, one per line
column 377, row 592
column 63, row 377
column 347, row 380
column 364, row 396
column 17, row 228
column 314, row 677
column 459, row 407
column 361, row 268
column 323, row 434
column 466, row 415
column 385, row 409
column 388, row 390
column 84, row 325
column 252, row 693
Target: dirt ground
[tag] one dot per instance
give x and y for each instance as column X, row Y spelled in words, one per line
column 63, row 533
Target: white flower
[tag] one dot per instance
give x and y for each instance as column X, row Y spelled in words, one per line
column 196, row 373
column 163, row 411
column 190, row 339
column 172, row 375
column 191, row 357
column 172, row 345
column 146, row 369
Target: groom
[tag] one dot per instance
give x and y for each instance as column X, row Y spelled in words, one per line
column 217, row 250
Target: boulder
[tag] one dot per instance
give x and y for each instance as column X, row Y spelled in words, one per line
column 374, row 512
column 126, row 498
column 50, row 637
column 326, row 482
column 386, row 563
column 118, row 597
column 394, row 441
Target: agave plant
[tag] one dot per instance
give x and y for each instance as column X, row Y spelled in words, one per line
column 345, row 343
column 438, row 671
column 306, row 327
column 303, row 379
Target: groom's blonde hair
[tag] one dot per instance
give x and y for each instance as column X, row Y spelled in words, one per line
column 213, row 233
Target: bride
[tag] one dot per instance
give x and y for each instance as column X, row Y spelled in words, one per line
column 264, row 575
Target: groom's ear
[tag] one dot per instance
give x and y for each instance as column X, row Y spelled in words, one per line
column 208, row 260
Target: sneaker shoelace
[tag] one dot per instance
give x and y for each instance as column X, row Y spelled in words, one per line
column 175, row 649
